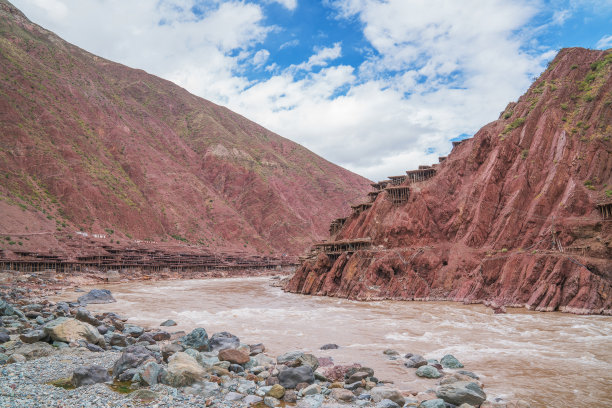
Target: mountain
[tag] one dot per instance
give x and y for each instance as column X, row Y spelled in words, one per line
column 518, row 215
column 93, row 146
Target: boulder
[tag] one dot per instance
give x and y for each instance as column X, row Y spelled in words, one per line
column 428, row 371
column 182, row 370
column 461, row 392
column 169, row 349
column 32, row 336
column 118, row 339
column 309, row 360
column 341, row 394
column 415, row 361
column 84, row 315
column 310, row 390
column 291, row 377
column 380, row 393
column 94, row 348
column 358, row 376
column 102, row 329
column 311, row 401
column 71, row 330
column 146, row 338
column 133, row 330
column 7, row 310
column 329, row 346
column 277, row 391
column 160, row 335
column 113, row 276
column 222, row 341
column 257, row 349
column 132, row 357
column 449, row 361
column 197, row 340
column 97, row 296
column 338, row 372
column 168, row 323
column 234, row 356
column 290, row 358
column 4, row 337
column 88, row 375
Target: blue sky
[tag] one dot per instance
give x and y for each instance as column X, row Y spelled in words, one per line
column 377, row 86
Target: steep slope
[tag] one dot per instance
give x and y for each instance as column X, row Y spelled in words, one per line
column 91, row 145
column 510, row 217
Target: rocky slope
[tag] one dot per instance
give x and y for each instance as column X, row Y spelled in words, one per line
column 511, row 216
column 91, row 145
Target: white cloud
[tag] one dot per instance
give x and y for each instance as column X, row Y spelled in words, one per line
column 260, row 57
column 436, row 68
column 604, row 43
column 288, row 44
column 289, row 4
column 321, row 58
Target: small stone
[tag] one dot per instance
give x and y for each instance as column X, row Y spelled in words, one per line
column 289, row 358
column 234, row 356
column 387, row 403
column 94, row 348
column 85, row 316
column 329, row 346
column 271, row 402
column 358, row 376
column 257, row 349
column 170, row 349
column 290, row 396
column 449, row 361
column 102, row 329
column 390, row 352
column 168, row 323
column 310, row 390
column 233, row 396
column 309, row 360
column 415, row 361
column 252, row 400
column 133, row 331
column 197, row 339
column 160, row 335
column 4, row 337
column 341, row 394
column 433, row 403
column 428, row 371
column 277, row 391
column 380, row 393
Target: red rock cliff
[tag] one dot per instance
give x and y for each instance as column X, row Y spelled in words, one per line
column 511, row 216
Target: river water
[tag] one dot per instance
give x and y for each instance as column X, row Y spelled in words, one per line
column 547, row 359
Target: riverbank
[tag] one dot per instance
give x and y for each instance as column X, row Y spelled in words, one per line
column 169, row 368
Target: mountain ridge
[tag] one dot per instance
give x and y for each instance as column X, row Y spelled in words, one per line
column 92, row 145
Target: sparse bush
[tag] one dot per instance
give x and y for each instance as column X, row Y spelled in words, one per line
column 564, row 106
column 524, row 154
column 504, row 250
column 515, row 123
column 574, row 66
column 508, row 114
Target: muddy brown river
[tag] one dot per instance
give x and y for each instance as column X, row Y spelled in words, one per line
column 547, row 359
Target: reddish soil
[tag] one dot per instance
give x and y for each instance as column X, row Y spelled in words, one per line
column 91, row 145
column 511, row 216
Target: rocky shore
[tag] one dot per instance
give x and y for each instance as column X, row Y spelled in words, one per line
column 60, row 355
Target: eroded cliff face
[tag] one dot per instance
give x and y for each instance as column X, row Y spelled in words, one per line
column 511, row 216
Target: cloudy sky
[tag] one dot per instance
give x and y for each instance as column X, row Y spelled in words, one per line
column 377, row 86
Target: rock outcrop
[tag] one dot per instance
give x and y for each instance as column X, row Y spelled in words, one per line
column 518, row 215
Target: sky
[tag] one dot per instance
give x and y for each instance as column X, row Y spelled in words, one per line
column 376, row 86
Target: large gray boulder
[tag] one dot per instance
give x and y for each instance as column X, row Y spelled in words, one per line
column 461, row 392
column 132, row 357
column 182, row 370
column 97, row 296
column 197, row 340
column 88, row 375
column 415, row 361
column 290, row 377
column 222, row 341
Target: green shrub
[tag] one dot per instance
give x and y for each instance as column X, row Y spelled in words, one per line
column 574, row 66
column 564, row 106
column 508, row 114
column 524, row 154
column 515, row 123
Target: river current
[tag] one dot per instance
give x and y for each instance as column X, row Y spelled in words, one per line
column 546, row 359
